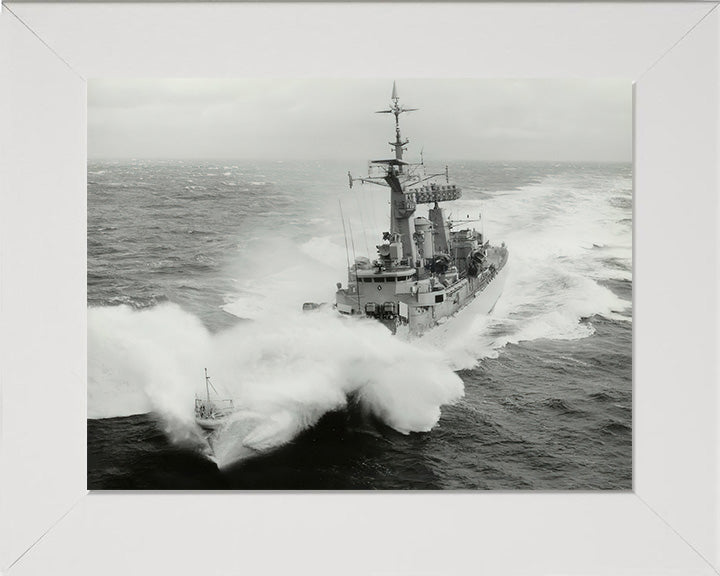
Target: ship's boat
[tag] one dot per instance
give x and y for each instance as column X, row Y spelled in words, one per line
column 212, row 412
column 428, row 267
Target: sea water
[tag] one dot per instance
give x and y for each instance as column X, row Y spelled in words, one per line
column 206, row 264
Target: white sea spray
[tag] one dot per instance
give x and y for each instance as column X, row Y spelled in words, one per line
column 284, row 373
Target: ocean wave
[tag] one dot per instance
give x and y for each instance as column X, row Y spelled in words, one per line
column 284, row 373
column 603, row 396
column 562, row 406
column 614, row 427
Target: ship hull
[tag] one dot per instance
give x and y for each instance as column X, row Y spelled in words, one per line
column 210, row 423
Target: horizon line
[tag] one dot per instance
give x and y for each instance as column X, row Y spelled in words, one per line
column 280, row 161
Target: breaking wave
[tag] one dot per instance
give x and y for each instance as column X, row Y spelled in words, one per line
column 284, row 373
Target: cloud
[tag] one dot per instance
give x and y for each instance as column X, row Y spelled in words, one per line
column 334, row 119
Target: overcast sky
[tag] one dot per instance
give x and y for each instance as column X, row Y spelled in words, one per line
column 333, row 119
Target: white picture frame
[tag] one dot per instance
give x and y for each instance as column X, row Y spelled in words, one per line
column 668, row 524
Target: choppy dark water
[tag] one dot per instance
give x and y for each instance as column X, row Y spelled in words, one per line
column 203, row 264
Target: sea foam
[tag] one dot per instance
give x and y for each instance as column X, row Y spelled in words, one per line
column 283, row 372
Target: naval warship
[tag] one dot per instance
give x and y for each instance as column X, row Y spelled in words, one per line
column 427, row 267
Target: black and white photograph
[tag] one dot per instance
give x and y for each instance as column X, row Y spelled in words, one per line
column 359, row 284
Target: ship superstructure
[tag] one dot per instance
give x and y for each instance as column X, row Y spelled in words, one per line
column 427, row 269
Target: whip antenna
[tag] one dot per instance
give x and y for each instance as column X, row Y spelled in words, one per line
column 357, row 288
column 342, row 217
